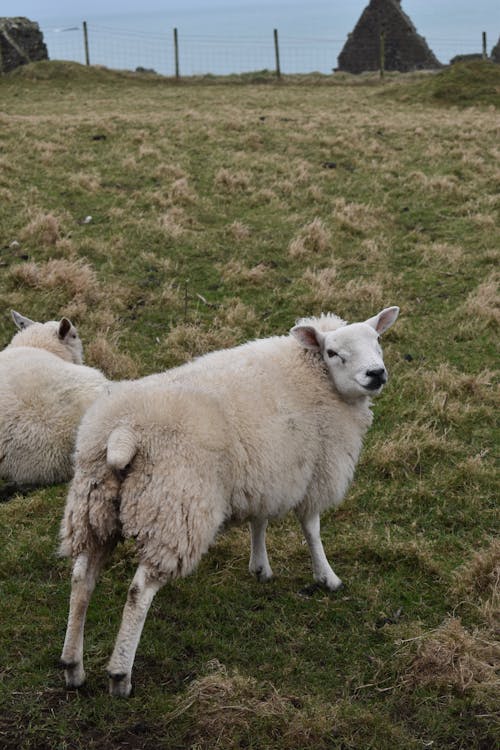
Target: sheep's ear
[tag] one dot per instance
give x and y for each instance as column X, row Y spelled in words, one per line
column 64, row 328
column 20, row 321
column 384, row 319
column 309, row 337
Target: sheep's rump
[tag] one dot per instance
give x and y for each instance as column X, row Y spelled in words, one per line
column 170, row 496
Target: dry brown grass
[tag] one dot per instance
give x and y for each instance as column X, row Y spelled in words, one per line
column 75, row 277
column 181, row 193
column 229, row 180
column 187, row 340
column 239, row 231
column 174, row 222
column 43, row 228
column 413, row 448
column 439, row 252
column 356, row 217
column 237, row 271
column 226, row 709
column 484, row 302
column 102, row 353
column 91, row 183
column 329, row 292
column 480, row 575
column 312, row 238
column 453, row 657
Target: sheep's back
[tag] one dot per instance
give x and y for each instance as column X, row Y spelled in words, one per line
column 42, row 399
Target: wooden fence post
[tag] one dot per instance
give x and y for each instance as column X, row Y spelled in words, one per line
column 86, row 43
column 277, row 54
column 382, row 53
column 485, row 52
column 176, row 54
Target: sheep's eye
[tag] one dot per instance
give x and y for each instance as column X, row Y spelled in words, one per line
column 378, row 339
column 331, row 353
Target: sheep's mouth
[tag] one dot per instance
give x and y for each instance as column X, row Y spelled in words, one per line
column 375, row 385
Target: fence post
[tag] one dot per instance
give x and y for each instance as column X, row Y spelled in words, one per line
column 382, row 53
column 277, row 54
column 86, row 43
column 485, row 52
column 176, row 54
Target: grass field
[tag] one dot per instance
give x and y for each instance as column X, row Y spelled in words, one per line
column 222, row 211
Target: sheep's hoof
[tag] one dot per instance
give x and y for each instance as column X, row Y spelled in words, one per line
column 319, row 586
column 263, row 575
column 74, row 674
column 120, row 684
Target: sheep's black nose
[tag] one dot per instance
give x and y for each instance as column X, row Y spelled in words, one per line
column 378, row 377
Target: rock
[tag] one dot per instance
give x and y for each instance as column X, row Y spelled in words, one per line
column 21, row 42
column 495, row 52
column 405, row 49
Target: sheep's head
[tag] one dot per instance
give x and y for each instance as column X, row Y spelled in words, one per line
column 352, row 353
column 59, row 337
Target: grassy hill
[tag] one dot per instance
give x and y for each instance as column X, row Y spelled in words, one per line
column 171, row 219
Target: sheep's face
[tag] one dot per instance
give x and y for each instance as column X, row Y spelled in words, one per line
column 67, row 334
column 62, row 331
column 352, row 353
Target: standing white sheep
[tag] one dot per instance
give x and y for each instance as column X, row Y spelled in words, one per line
column 246, row 433
column 44, row 391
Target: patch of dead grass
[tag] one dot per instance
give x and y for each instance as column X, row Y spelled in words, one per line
column 181, row 193
column 480, row 574
column 357, row 217
column 239, row 231
column 484, row 302
column 236, row 271
column 76, row 277
column 104, row 354
column 230, row 180
column 454, row 657
column 188, row 340
column 312, row 238
column 329, row 291
column 43, row 228
column 413, row 448
column 439, row 252
column 226, row 709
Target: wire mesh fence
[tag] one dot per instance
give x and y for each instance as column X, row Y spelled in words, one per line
column 217, row 55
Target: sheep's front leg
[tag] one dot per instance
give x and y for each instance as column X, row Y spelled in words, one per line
column 322, row 571
column 259, row 562
column 140, row 595
column 86, row 569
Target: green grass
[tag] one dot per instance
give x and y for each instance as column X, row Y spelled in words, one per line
column 223, row 210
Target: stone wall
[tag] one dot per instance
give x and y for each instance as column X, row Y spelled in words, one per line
column 405, row 49
column 21, row 42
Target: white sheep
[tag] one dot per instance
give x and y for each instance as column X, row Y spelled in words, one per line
column 44, row 391
column 248, row 433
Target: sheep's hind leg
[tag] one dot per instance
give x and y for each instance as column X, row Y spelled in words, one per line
column 140, row 595
column 86, row 569
column 322, row 571
column 259, row 562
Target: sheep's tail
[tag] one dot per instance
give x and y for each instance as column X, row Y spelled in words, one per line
column 122, row 447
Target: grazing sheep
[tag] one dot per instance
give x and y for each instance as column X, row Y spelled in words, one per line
column 244, row 434
column 44, row 390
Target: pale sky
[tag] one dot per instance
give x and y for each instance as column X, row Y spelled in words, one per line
column 479, row 12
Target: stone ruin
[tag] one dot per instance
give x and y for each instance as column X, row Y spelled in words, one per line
column 405, row 49
column 495, row 52
column 21, row 42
